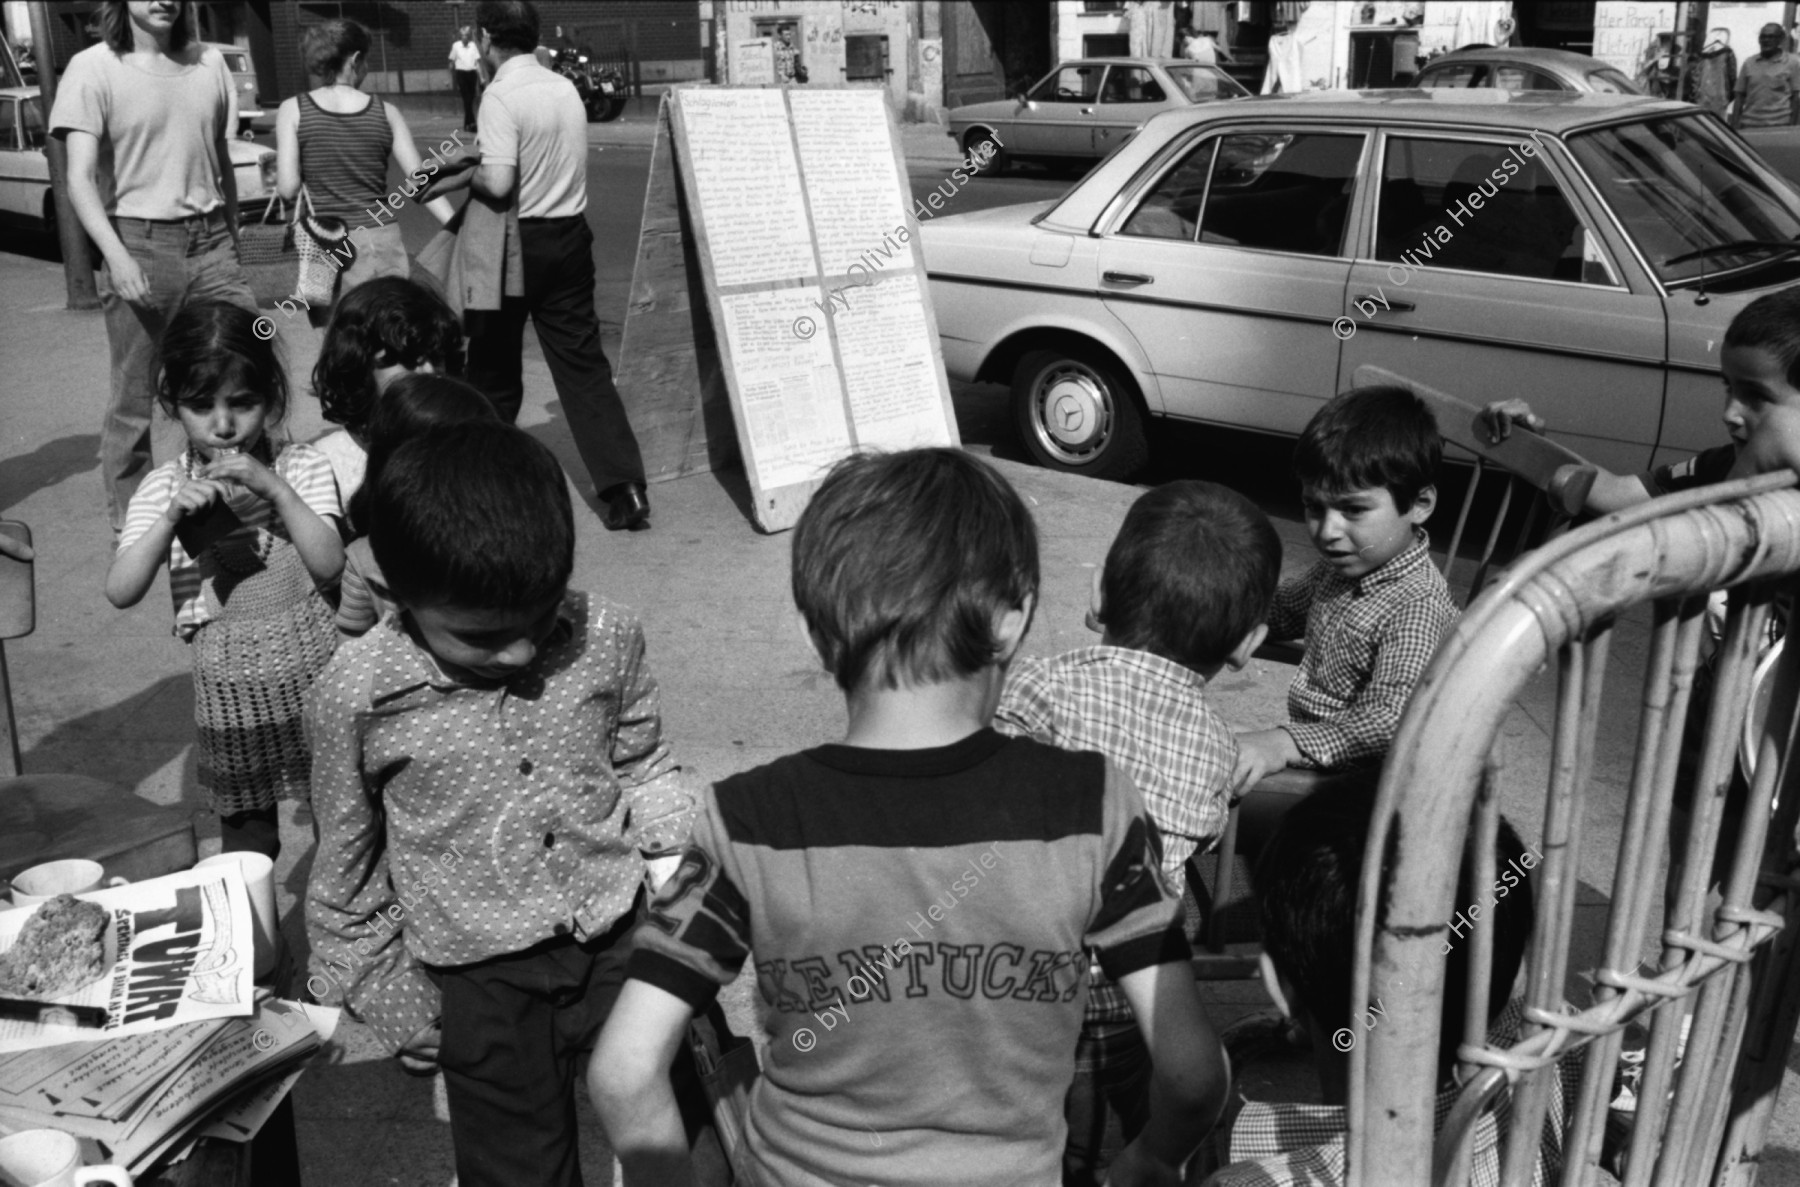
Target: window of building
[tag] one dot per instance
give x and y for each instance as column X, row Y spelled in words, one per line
column 1105, row 45
column 866, row 55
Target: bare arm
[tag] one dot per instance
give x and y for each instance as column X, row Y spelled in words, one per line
column 1189, row 1081
column 320, row 546
column 495, row 182
column 287, row 150
column 84, row 195
column 222, row 147
column 628, row 1078
column 135, row 566
column 407, row 154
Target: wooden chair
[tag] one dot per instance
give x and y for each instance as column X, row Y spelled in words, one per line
column 1734, row 964
column 1557, row 482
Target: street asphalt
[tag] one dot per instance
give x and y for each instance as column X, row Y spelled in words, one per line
column 108, row 693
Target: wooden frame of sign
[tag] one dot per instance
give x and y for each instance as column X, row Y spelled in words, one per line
column 797, row 204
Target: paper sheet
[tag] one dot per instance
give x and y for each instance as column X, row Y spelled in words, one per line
column 852, row 185
column 889, row 369
column 743, row 161
column 792, row 401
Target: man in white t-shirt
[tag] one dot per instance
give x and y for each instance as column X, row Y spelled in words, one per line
column 465, row 68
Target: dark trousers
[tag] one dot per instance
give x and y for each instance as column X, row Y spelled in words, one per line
column 517, row 1032
column 559, row 299
column 465, row 86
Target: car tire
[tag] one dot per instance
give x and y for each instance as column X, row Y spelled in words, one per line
column 998, row 160
column 1077, row 412
column 613, row 108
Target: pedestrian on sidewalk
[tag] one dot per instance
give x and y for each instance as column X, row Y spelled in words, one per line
column 145, row 115
column 465, row 68
column 1768, row 87
column 533, row 136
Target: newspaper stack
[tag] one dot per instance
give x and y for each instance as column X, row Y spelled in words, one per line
column 143, row 1098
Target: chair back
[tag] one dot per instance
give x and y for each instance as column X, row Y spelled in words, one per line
column 1733, row 965
column 18, row 618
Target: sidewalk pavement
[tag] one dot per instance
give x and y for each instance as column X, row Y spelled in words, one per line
column 108, row 693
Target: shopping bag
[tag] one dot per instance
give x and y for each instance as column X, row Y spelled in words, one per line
column 322, row 252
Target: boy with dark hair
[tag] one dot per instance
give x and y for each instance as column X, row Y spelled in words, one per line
column 1306, row 885
column 1373, row 609
column 488, row 765
column 1182, row 597
column 927, row 886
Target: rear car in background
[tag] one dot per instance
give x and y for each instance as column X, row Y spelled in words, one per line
column 243, row 82
column 1084, row 109
column 1504, row 69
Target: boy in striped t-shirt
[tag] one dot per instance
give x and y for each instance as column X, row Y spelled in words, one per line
column 918, row 899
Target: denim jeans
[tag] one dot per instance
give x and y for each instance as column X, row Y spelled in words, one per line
column 182, row 260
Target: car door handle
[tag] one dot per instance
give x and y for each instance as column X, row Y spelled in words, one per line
column 1127, row 278
column 1387, row 303
column 1087, row 111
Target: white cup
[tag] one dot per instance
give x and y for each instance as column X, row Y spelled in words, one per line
column 258, row 872
column 75, row 875
column 51, row 1158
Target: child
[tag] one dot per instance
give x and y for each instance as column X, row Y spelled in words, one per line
column 410, row 405
column 1373, row 609
column 1306, row 885
column 380, row 330
column 248, row 601
column 1182, row 597
column 485, row 763
column 927, row 886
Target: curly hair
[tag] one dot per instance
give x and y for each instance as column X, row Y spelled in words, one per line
column 376, row 324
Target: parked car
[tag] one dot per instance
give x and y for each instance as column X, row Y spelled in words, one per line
column 243, row 81
column 1083, row 109
column 26, row 202
column 1525, row 70
column 1234, row 264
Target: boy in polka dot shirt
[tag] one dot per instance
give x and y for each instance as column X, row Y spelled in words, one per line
column 489, row 775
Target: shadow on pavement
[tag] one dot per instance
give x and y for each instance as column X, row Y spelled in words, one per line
column 127, row 741
column 47, row 465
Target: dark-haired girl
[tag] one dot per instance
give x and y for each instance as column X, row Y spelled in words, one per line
column 380, row 330
column 247, row 599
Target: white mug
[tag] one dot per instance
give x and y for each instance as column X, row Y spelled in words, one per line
column 75, row 875
column 259, row 880
column 51, row 1158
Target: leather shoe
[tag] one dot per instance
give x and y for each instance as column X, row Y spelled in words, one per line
column 627, row 507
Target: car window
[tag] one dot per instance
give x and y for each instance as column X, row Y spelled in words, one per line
column 1607, row 81
column 1278, row 191
column 237, row 63
column 33, row 112
column 1071, row 84
column 1480, row 208
column 1680, row 184
column 1462, row 74
column 1519, row 78
column 9, row 128
column 1131, row 84
column 1202, row 83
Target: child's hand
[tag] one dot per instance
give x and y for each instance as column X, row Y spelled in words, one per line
column 1261, row 753
column 195, row 495
column 248, row 473
column 1500, row 416
column 419, row 1057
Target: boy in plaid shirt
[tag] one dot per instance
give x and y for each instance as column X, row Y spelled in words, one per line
column 1182, row 597
column 1373, row 609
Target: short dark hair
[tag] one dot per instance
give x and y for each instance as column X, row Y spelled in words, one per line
column 902, row 560
column 388, row 318
column 410, row 406
column 510, row 24
column 474, row 515
column 115, row 28
column 1771, row 323
column 1367, row 437
column 324, row 48
column 1190, row 573
column 210, row 343
column 1307, row 881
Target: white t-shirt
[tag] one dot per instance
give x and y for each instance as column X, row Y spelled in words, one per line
column 158, row 132
column 465, row 55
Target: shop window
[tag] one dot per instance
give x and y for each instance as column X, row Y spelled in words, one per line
column 1106, row 45
column 866, row 55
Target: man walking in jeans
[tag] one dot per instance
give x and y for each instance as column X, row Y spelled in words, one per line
column 533, row 135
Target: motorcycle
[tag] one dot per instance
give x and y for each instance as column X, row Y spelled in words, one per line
column 601, row 85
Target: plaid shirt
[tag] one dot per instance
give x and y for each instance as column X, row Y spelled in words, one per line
column 1149, row 715
column 1291, row 1145
column 1367, row 643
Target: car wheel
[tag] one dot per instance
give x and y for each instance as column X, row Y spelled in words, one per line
column 997, row 158
column 614, row 106
column 1078, row 413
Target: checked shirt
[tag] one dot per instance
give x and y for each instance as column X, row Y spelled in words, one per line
column 1367, row 643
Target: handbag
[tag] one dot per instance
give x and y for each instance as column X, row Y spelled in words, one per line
column 728, row 1068
column 320, row 245
column 263, row 243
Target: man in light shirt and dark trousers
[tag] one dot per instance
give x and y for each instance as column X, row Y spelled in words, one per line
column 465, row 68
column 533, row 136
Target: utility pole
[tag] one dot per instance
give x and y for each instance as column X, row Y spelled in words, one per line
column 78, row 265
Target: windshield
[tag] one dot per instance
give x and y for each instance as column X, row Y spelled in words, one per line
column 1201, row 83
column 1680, row 184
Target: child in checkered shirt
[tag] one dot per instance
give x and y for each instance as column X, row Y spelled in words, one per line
column 1182, row 597
column 1373, row 608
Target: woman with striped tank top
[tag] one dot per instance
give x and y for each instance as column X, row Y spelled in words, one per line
column 337, row 141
